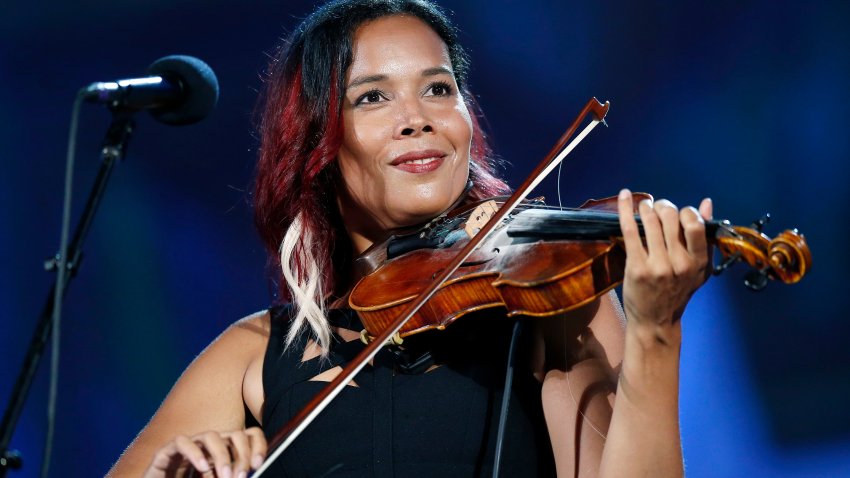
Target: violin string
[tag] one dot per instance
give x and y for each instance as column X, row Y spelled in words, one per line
column 549, row 207
column 598, row 217
column 592, row 217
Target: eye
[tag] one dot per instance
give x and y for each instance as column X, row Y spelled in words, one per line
column 439, row 88
column 373, row 96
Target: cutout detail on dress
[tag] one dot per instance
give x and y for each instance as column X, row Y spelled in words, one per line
column 330, row 374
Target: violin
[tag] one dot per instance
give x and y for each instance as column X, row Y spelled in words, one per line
column 540, row 262
column 534, row 262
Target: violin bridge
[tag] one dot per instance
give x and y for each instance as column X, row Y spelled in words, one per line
column 479, row 217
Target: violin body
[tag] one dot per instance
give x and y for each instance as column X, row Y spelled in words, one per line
column 521, row 274
column 523, row 279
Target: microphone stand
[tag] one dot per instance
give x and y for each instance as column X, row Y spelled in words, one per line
column 114, row 148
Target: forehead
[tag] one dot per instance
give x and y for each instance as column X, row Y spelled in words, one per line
column 396, row 44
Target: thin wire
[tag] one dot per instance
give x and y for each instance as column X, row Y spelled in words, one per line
column 560, row 167
column 570, row 389
column 58, row 293
column 566, row 373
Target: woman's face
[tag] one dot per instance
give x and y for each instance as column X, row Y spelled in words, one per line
column 405, row 155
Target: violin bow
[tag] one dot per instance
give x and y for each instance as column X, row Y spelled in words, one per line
column 286, row 435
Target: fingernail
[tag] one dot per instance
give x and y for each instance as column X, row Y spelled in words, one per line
column 243, row 474
column 205, row 465
column 226, row 472
column 624, row 193
column 647, row 203
column 696, row 213
column 257, row 461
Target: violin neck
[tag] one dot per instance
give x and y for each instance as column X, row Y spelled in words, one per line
column 545, row 224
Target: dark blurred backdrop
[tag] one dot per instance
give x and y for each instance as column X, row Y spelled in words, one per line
column 743, row 101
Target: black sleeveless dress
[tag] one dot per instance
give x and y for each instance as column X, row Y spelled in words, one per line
column 439, row 423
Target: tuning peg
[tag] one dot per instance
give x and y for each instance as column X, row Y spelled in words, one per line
column 756, row 280
column 759, row 223
column 728, row 261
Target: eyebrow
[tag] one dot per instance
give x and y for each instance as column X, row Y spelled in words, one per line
column 433, row 71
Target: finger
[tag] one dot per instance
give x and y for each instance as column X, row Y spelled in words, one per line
column 652, row 230
column 241, row 453
column 628, row 226
column 219, row 451
column 706, row 209
column 668, row 215
column 167, row 458
column 259, row 446
column 694, row 227
column 192, row 452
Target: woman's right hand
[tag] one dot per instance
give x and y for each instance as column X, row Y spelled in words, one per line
column 222, row 455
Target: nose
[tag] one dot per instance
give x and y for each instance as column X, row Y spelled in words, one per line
column 412, row 121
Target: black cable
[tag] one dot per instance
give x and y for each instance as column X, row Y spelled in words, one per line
column 61, row 274
column 506, row 396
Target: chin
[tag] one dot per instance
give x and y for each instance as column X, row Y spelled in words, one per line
column 412, row 218
column 425, row 202
column 418, row 211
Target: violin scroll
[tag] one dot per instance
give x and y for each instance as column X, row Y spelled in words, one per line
column 789, row 256
column 786, row 258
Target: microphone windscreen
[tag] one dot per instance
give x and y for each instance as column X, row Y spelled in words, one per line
column 199, row 85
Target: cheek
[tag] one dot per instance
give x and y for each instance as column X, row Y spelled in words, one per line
column 461, row 137
column 360, row 179
column 366, row 137
column 462, row 128
column 360, row 153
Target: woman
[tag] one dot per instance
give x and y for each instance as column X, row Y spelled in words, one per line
column 367, row 129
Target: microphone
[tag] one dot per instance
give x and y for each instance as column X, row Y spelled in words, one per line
column 180, row 90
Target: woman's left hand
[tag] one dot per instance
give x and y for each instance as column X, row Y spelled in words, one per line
column 662, row 274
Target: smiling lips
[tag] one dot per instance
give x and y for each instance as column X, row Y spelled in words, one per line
column 419, row 161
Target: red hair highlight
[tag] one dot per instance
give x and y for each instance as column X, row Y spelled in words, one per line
column 482, row 166
column 289, row 169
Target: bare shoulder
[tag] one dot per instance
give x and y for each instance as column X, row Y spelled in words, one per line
column 208, row 396
column 232, row 352
column 252, row 330
column 232, row 365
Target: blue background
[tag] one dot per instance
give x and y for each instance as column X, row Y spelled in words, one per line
column 743, row 101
